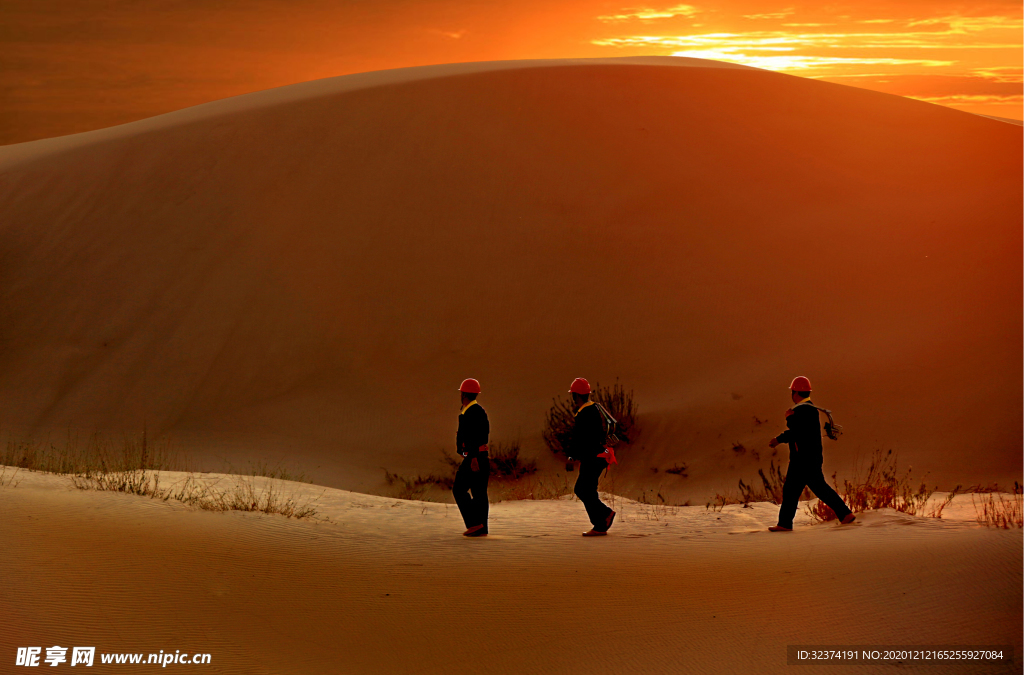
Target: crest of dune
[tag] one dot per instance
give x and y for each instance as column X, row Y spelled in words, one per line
column 309, row 272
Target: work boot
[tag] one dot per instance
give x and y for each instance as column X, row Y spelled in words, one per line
column 594, row 533
column 608, row 521
column 779, row 528
column 475, row 531
column 848, row 518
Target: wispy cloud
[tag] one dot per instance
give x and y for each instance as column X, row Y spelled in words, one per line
column 771, row 15
column 796, row 62
column 973, row 99
column 650, row 14
column 999, row 92
column 941, row 58
column 453, row 34
column 1009, row 74
column 785, row 41
column 971, row 24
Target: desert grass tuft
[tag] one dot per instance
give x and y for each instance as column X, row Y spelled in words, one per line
column 510, row 477
column 884, row 487
column 417, row 487
column 997, row 510
column 770, row 490
column 507, row 464
column 429, row 487
column 678, row 470
column 241, row 494
column 532, row 488
column 264, row 469
column 95, row 453
column 9, row 476
column 132, row 464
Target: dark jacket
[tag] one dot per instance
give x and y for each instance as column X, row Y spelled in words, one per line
column 803, row 435
column 588, row 434
column 474, row 430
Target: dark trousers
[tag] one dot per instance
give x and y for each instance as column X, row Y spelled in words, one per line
column 799, row 475
column 474, row 507
column 586, row 490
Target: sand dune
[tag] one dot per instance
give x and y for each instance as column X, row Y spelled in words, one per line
column 305, row 274
column 388, row 586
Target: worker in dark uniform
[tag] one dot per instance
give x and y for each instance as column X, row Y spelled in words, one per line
column 587, row 442
column 470, row 487
column 804, row 437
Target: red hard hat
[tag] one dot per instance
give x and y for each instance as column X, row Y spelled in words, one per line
column 470, row 386
column 800, row 383
column 580, row 386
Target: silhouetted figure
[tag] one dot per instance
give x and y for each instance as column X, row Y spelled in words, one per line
column 587, row 442
column 804, row 437
column 470, row 487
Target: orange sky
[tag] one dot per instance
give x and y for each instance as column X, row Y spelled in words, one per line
column 73, row 65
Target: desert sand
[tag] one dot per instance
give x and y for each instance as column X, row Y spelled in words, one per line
column 388, row 586
column 304, row 275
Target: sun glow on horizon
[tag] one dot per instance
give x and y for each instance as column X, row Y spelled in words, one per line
column 910, row 49
column 147, row 57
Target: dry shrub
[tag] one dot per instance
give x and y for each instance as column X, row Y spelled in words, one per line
column 616, row 400
column 7, row 479
column 507, row 468
column 266, row 470
column 719, row 502
column 821, row 512
column 771, row 486
column 884, row 487
column 132, row 464
column 652, row 505
column 998, row 510
column 506, row 463
column 936, row 510
column 243, row 495
column 94, row 454
column 978, row 488
column 532, row 487
column 418, row 487
column 678, row 469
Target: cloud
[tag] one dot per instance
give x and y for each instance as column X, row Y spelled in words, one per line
column 974, row 99
column 932, row 84
column 979, row 91
column 971, row 24
column 784, row 41
column 773, row 15
column 452, row 34
column 651, row 14
column 1008, row 74
column 790, row 62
